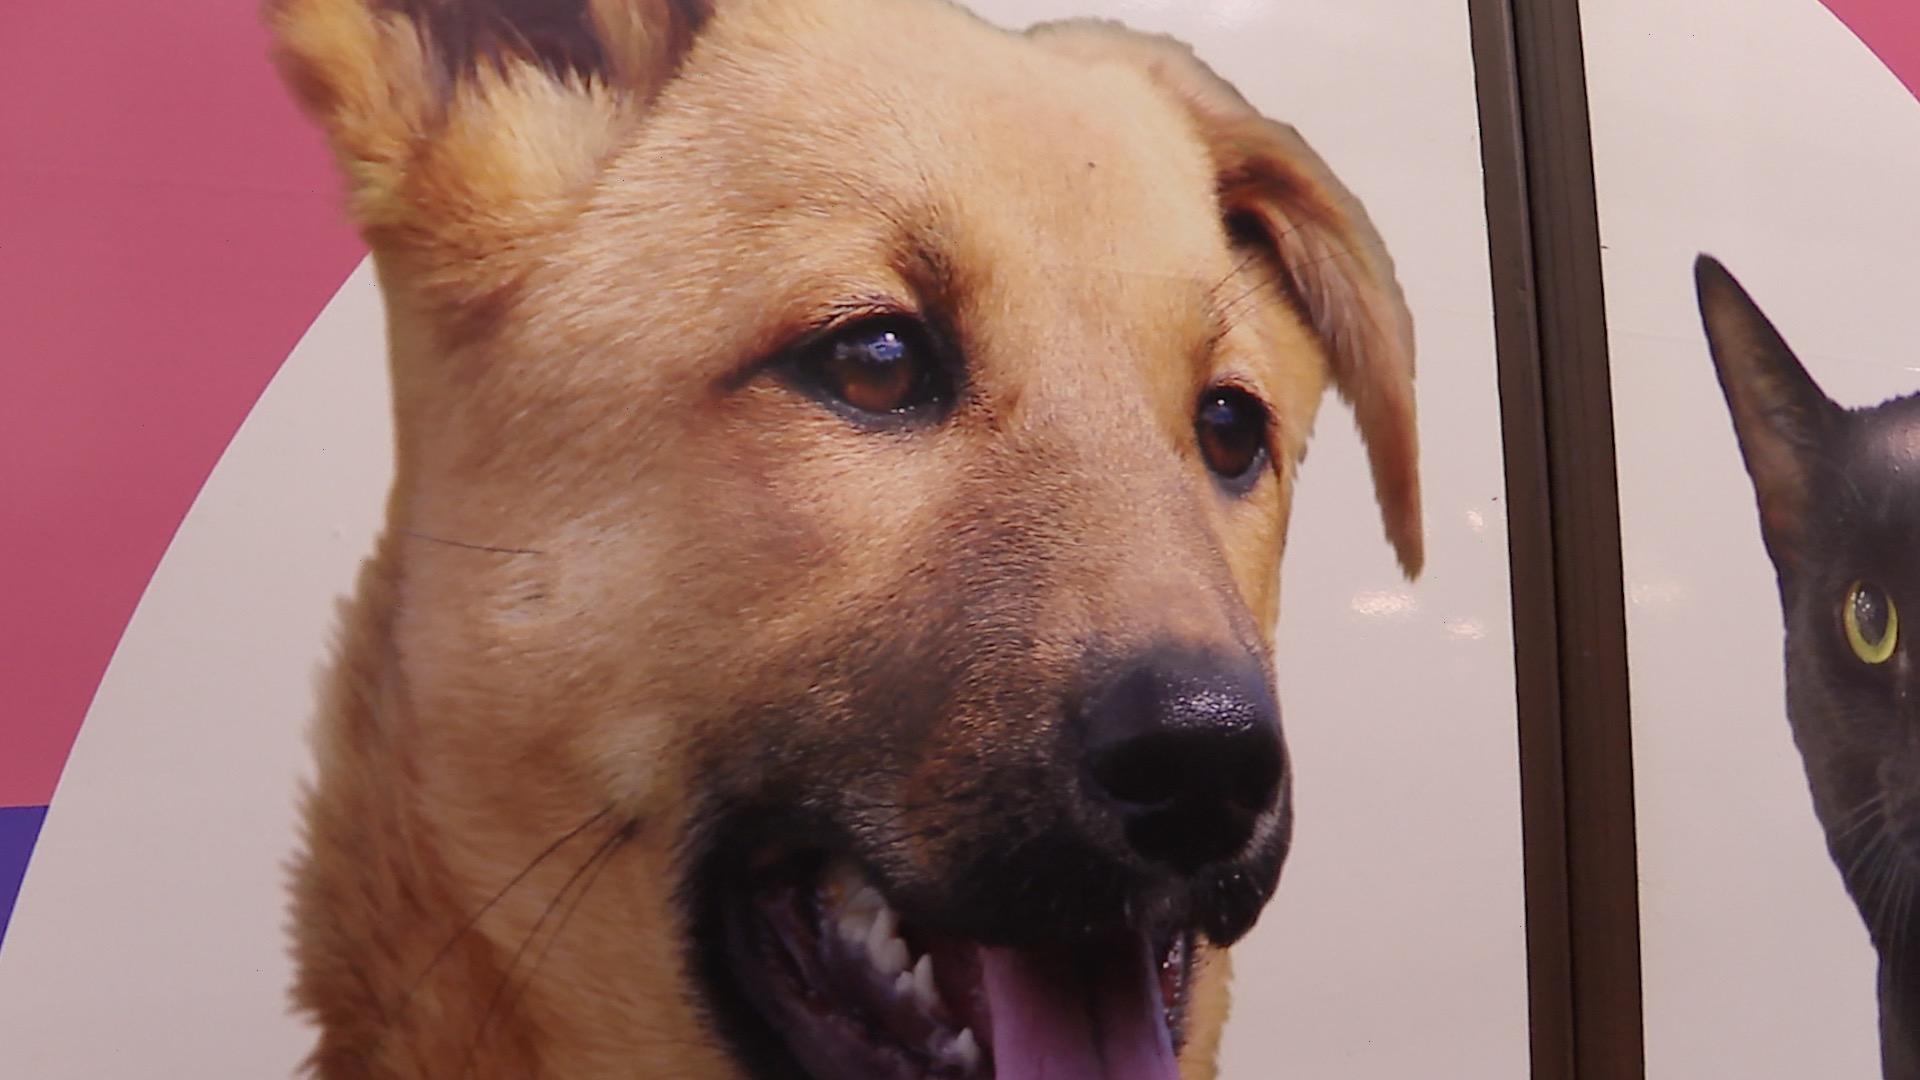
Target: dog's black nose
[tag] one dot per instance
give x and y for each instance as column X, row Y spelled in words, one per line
column 1185, row 750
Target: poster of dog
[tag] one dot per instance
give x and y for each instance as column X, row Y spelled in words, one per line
column 772, row 564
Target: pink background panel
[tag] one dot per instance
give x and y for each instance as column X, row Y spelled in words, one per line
column 171, row 228
column 1891, row 28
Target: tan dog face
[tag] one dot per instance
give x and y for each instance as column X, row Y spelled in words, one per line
column 844, row 461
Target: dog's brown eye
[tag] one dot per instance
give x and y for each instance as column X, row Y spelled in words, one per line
column 1232, row 427
column 885, row 366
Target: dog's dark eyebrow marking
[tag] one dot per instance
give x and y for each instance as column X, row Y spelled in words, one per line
column 418, row 535
column 557, row 35
column 463, row 36
column 931, row 270
column 864, row 306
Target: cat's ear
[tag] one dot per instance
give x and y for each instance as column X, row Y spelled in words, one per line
column 1780, row 415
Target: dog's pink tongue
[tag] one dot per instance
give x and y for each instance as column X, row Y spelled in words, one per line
column 1057, row 1015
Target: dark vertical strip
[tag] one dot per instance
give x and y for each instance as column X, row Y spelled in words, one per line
column 1536, row 664
column 1576, row 759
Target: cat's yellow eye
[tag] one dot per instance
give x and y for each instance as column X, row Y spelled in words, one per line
column 1873, row 624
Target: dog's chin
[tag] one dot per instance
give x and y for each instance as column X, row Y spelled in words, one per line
column 813, row 973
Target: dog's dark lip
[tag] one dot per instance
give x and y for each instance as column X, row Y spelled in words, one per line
column 793, row 1002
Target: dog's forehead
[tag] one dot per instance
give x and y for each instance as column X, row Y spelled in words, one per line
column 824, row 156
column 812, row 154
column 920, row 114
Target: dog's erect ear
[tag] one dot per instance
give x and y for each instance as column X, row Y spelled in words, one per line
column 1780, row 415
column 458, row 122
column 1276, row 193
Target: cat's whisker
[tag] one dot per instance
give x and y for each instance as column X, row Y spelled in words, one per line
column 1859, row 817
column 1878, row 895
column 1857, row 862
column 1862, row 874
column 1897, row 951
column 1892, row 915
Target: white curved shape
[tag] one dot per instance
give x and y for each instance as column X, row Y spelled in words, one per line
column 149, row 936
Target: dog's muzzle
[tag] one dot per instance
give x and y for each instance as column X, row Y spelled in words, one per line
column 1058, row 936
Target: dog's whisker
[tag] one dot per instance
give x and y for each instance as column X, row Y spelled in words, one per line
column 492, row 901
column 1263, row 251
column 1239, row 307
column 499, row 995
column 468, row 546
column 391, row 1017
column 1246, row 262
column 1232, row 312
column 1342, row 253
column 603, row 858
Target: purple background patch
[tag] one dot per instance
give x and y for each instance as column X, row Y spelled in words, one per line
column 19, row 825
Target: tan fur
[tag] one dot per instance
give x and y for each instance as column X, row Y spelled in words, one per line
column 1341, row 272
column 615, row 549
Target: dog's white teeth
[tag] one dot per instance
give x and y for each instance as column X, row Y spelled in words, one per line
column 852, row 905
column 893, row 959
column 863, row 918
column 853, row 929
column 924, row 992
column 884, row 947
column 889, row 957
column 903, row 985
column 885, row 925
column 964, row 1050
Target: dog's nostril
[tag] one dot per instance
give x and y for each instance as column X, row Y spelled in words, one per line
column 1240, row 768
column 1255, row 778
column 1187, row 754
column 1142, row 772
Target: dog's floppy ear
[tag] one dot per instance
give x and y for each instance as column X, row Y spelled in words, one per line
column 1780, row 415
column 459, row 122
column 1276, row 193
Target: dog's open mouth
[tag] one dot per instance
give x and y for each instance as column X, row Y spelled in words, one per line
column 850, row 991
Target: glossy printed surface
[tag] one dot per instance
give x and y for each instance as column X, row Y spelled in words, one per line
column 154, row 910
column 1765, row 133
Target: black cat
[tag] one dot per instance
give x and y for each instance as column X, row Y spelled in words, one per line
column 1839, row 497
